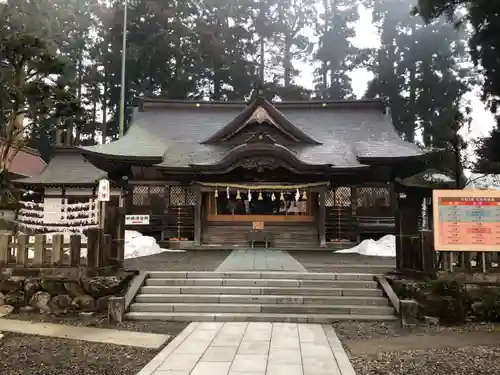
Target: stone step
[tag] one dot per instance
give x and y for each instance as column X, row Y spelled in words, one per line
column 278, row 283
column 255, row 317
column 303, row 291
column 261, row 299
column 261, row 275
column 261, row 308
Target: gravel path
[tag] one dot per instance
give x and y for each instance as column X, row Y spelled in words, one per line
column 201, row 260
column 478, row 360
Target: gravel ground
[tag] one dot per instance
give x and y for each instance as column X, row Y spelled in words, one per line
column 367, row 330
column 478, row 360
column 36, row 355
column 202, row 260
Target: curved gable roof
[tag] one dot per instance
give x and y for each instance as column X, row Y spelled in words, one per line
column 260, row 110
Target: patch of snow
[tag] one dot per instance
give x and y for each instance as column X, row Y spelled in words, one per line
column 437, row 177
column 136, row 244
column 384, row 247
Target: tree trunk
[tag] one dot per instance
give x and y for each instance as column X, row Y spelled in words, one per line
column 287, row 61
column 410, row 133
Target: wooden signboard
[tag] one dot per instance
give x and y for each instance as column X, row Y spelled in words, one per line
column 258, row 225
column 466, row 220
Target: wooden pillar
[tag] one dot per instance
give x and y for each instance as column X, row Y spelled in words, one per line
column 120, row 230
column 197, row 217
column 322, row 217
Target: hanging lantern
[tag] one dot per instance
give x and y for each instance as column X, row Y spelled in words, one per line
column 282, row 196
column 216, row 193
column 260, row 196
column 273, row 197
column 238, row 195
column 249, row 195
column 304, row 195
column 297, row 195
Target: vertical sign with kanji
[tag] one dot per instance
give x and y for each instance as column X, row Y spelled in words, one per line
column 103, row 192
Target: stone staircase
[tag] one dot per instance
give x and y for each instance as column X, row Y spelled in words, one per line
column 260, row 296
column 285, row 235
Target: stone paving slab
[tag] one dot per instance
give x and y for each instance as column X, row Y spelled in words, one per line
column 252, row 349
column 101, row 335
column 260, row 260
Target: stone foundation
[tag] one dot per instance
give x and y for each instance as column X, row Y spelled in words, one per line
column 452, row 301
column 58, row 294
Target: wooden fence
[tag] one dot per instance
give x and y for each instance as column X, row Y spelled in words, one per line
column 416, row 256
column 100, row 252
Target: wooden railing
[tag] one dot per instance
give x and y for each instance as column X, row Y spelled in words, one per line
column 22, row 251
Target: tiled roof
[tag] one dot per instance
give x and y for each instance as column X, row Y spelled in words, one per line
column 67, row 167
column 26, row 163
column 348, row 131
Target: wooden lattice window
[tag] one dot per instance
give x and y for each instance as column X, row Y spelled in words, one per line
column 140, row 196
column 182, row 196
column 338, row 197
column 144, row 195
column 373, row 197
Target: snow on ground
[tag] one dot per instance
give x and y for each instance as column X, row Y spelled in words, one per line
column 136, row 244
column 384, row 247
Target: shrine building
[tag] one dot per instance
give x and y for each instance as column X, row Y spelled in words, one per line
column 312, row 174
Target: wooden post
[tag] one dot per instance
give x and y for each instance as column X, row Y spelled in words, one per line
column 93, row 248
column 4, row 249
column 322, row 217
column 40, row 256
column 111, row 252
column 57, row 249
column 22, row 250
column 119, row 231
column 399, row 240
column 105, row 251
column 75, row 247
column 197, row 217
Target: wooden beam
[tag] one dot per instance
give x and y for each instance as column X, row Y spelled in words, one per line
column 322, row 217
column 197, row 216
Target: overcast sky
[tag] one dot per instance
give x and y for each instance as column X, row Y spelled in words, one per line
column 367, row 37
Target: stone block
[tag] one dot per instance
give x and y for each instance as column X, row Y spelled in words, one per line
column 408, row 312
column 116, row 309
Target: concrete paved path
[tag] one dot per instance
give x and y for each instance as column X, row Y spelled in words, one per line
column 106, row 336
column 260, row 260
column 252, row 349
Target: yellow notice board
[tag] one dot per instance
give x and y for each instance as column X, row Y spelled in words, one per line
column 466, row 220
column 258, row 225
